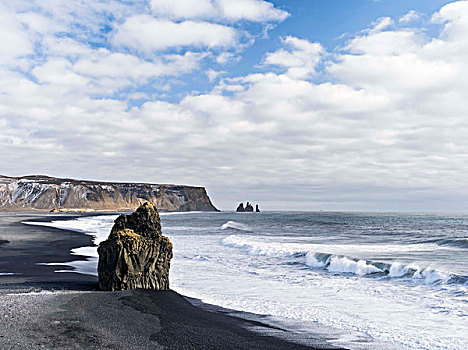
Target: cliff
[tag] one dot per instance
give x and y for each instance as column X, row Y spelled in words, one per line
column 44, row 193
column 136, row 254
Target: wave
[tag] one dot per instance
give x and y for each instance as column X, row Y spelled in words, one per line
column 459, row 242
column 449, row 242
column 341, row 264
column 236, row 226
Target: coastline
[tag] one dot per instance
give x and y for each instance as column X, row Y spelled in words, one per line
column 45, row 309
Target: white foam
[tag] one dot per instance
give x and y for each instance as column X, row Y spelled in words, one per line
column 235, row 225
column 85, row 267
column 9, row 273
column 97, row 227
column 34, row 293
column 346, row 265
column 432, row 276
column 312, row 261
column 374, row 307
column 335, row 263
column 261, row 248
column 398, row 270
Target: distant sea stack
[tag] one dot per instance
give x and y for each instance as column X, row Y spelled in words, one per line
column 44, row 193
column 136, row 254
column 247, row 209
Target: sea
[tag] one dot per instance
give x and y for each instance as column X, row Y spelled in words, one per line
column 379, row 280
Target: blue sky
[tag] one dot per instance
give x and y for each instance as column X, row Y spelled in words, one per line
column 329, row 22
column 332, row 22
column 304, row 104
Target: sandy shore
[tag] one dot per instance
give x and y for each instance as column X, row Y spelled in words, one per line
column 41, row 309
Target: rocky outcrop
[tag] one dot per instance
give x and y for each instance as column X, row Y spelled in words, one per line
column 248, row 208
column 136, row 254
column 45, row 193
column 257, row 209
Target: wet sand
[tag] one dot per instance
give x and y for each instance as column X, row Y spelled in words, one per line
column 42, row 309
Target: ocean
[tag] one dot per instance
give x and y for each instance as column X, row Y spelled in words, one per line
column 400, row 280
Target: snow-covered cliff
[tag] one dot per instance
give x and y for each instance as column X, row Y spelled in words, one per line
column 46, row 193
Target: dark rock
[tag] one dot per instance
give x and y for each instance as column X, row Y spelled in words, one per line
column 257, row 209
column 248, row 208
column 3, row 241
column 136, row 254
column 240, row 208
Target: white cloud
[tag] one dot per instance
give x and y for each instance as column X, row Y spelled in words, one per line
column 102, row 63
column 251, row 10
column 39, row 23
column 300, row 59
column 411, row 16
column 220, row 10
column 103, row 72
column 13, row 38
column 385, row 124
column 178, row 9
column 454, row 18
column 214, row 74
column 226, row 57
column 380, row 24
column 386, row 43
column 58, row 71
column 146, row 34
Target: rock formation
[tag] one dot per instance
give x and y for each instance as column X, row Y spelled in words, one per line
column 248, row 208
column 48, row 193
column 136, row 254
column 257, row 209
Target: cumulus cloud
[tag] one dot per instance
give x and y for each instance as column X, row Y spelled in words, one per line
column 300, row 59
column 383, row 128
column 411, row 16
column 13, row 38
column 380, row 24
column 147, row 34
column 213, row 74
column 220, row 10
column 103, row 72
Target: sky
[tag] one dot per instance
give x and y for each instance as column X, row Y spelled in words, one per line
column 293, row 104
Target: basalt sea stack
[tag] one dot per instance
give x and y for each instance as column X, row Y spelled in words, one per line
column 136, row 254
column 248, row 208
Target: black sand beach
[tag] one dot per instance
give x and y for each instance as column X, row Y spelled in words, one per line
column 42, row 309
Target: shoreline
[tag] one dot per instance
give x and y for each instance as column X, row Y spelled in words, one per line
column 65, row 310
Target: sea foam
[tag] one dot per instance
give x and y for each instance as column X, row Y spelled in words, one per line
column 336, row 263
column 236, row 226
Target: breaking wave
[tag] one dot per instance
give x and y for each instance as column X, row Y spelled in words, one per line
column 236, row 226
column 341, row 264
